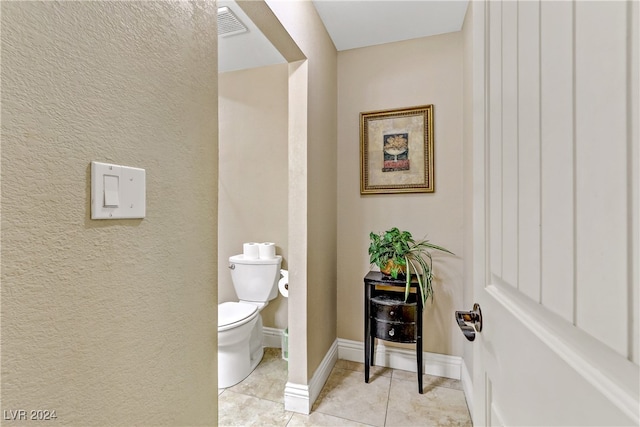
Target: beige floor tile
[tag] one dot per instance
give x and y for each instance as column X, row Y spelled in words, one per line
column 345, row 400
column 438, row 406
column 273, row 353
column 236, row 409
column 321, row 420
column 428, row 381
column 268, row 380
column 374, row 371
column 346, row 395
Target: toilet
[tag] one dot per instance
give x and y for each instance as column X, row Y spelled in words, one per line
column 239, row 323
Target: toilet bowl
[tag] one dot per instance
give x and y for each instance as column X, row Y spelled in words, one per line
column 240, row 333
column 239, row 341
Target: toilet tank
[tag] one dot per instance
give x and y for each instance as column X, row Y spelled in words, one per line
column 255, row 279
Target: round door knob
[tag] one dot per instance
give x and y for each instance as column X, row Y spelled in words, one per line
column 391, row 313
column 391, row 332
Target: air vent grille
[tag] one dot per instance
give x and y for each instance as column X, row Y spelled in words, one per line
column 228, row 23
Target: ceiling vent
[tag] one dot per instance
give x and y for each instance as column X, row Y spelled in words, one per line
column 228, row 23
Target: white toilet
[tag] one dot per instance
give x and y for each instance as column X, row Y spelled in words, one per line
column 239, row 323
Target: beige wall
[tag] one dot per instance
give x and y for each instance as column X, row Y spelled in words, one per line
column 396, row 75
column 109, row 322
column 253, row 134
column 314, row 314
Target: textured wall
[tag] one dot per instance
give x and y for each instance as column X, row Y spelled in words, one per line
column 109, row 322
column 253, row 183
column 430, row 73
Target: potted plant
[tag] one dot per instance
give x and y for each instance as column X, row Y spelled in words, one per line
column 398, row 255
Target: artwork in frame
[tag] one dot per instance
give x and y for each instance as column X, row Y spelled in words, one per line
column 396, row 151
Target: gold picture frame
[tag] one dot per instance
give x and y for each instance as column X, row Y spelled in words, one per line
column 396, row 151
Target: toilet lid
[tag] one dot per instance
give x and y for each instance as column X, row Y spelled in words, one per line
column 234, row 312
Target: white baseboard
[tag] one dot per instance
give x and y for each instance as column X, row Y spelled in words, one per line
column 297, row 398
column 440, row 365
column 301, row 397
column 321, row 374
column 467, row 387
column 272, row 337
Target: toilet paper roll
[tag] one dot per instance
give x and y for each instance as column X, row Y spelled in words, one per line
column 251, row 250
column 283, row 284
column 267, row 250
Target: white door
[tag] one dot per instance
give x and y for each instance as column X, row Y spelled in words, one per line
column 556, row 227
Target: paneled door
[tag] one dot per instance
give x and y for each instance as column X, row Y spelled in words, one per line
column 555, row 212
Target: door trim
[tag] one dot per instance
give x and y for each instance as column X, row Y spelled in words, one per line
column 602, row 367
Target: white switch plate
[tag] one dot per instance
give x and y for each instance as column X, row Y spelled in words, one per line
column 130, row 196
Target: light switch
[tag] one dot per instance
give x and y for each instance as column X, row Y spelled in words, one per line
column 117, row 191
column 111, row 190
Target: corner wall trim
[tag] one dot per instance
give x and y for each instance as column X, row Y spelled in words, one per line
column 296, row 398
column 301, row 397
column 440, row 365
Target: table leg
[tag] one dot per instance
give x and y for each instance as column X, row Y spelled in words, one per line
column 367, row 333
column 419, row 343
column 372, row 349
column 419, row 357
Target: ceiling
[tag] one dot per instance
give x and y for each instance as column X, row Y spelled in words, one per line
column 350, row 23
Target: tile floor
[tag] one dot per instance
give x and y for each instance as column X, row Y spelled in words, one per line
column 390, row 399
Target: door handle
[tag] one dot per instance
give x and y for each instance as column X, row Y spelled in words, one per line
column 470, row 322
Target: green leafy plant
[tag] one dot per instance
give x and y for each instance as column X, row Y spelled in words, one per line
column 397, row 254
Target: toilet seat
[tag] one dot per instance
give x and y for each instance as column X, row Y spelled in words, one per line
column 234, row 314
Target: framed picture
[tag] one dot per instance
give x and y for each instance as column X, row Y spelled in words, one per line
column 396, row 151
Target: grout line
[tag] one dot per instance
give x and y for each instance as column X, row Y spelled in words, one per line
column 386, row 409
column 290, row 418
